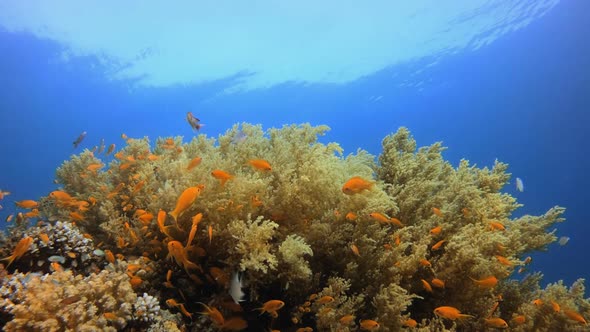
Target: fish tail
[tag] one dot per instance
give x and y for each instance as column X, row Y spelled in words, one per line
column 188, row 265
column 207, row 308
column 174, row 215
column 464, row 316
column 10, row 259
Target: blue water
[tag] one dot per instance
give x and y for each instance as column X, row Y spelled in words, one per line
column 523, row 99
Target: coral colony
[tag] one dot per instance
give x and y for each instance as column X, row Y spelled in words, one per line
column 273, row 231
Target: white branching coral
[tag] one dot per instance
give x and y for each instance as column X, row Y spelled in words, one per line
column 63, row 238
column 253, row 248
column 146, row 308
column 292, row 252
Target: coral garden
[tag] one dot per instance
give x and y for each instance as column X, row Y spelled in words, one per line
column 272, row 230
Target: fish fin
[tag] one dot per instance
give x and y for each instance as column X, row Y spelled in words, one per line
column 464, row 316
column 174, row 215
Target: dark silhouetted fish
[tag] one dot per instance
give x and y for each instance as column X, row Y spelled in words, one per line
column 79, row 139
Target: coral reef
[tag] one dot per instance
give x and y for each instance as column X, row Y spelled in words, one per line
column 62, row 301
column 321, row 241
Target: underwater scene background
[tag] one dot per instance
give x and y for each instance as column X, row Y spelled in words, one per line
column 294, row 167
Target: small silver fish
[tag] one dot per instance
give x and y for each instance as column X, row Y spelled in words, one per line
column 563, row 240
column 239, row 137
column 59, row 259
column 235, row 288
column 101, row 146
column 519, row 185
column 79, row 139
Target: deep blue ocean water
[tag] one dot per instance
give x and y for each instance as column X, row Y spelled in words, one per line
column 523, row 99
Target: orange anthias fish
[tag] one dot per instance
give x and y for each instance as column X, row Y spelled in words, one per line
column 60, row 196
column 173, row 303
column 438, row 283
column 214, row 314
column 436, row 230
column 451, row 313
column 518, row 320
column 109, row 316
column 410, row 323
column 260, row 164
column 177, row 251
column 437, row 211
column 379, row 217
column 425, row 262
column 21, row 248
column 369, row 325
column 397, row 240
column 356, row 185
column 135, row 281
column 32, row 214
column 351, row 216
column 438, row 245
column 426, row 285
column 346, row 319
column 503, row 260
column 76, row 216
column 496, row 322
column 575, row 316
column 138, row 186
column 271, row 306
column 325, row 299
column 194, row 163
column 222, row 176
column 488, row 282
column 494, row 225
column 196, row 220
column 109, row 256
column 168, row 282
column 185, row 200
column 44, row 237
column 161, row 222
column 94, row 167
column 384, row 219
column 146, row 218
column 27, row 204
column 56, row 266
